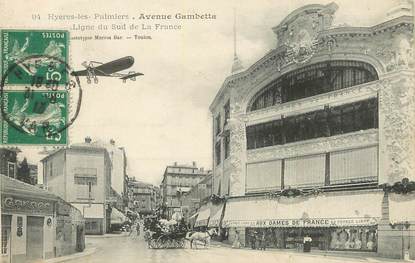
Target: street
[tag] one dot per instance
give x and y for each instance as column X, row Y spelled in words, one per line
column 126, row 249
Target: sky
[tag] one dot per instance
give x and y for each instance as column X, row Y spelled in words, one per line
column 164, row 115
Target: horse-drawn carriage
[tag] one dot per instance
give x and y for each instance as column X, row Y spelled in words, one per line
column 160, row 233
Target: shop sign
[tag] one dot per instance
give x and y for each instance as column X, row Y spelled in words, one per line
column 64, row 209
column 20, row 204
column 318, row 222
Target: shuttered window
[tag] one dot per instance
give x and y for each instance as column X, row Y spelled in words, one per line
column 263, row 176
column 305, row 171
column 354, row 166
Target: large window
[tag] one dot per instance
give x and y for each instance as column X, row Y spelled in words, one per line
column 217, row 153
column 227, row 111
column 263, row 176
column 313, row 80
column 361, row 115
column 227, row 145
column 218, row 124
column 354, row 166
column 351, row 166
column 305, row 171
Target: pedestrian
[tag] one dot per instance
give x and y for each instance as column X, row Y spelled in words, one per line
column 131, row 229
column 263, row 243
column 138, row 229
column 253, row 239
column 236, row 242
column 307, row 243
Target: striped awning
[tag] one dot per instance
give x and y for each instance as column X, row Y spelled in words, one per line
column 324, row 210
column 215, row 217
column 117, row 217
column 203, row 217
column 193, row 216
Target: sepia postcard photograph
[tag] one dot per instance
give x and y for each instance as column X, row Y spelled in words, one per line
column 207, row 131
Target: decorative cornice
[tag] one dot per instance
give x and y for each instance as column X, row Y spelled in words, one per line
column 326, row 40
column 315, row 146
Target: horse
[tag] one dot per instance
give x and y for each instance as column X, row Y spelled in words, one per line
column 201, row 236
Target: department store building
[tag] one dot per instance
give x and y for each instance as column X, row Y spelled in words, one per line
column 315, row 138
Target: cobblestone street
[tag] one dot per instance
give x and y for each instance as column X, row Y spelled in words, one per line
column 127, row 249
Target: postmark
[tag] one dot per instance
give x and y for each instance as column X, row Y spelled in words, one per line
column 18, row 45
column 39, row 113
column 35, row 117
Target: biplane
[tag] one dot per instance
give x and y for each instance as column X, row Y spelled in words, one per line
column 111, row 69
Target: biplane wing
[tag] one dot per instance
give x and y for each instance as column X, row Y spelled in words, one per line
column 131, row 76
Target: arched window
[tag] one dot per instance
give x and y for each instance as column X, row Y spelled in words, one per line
column 312, row 80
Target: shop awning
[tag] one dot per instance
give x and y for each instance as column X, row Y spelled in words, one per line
column 328, row 210
column 117, row 217
column 215, row 217
column 193, row 216
column 203, row 217
column 401, row 208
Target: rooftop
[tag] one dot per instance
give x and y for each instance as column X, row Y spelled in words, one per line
column 12, row 186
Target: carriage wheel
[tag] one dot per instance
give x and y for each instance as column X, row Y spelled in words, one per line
column 174, row 243
column 160, row 242
column 168, row 243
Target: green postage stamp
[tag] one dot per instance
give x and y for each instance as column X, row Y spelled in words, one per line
column 35, row 85
column 34, row 117
column 33, row 51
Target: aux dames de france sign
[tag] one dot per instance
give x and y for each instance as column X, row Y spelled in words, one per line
column 333, row 222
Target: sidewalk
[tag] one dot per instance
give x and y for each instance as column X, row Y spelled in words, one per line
column 86, row 252
column 122, row 234
column 363, row 256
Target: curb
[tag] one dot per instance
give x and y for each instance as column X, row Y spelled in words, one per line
column 107, row 235
column 71, row 257
column 331, row 256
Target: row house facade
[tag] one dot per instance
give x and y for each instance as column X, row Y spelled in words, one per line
column 143, row 198
column 8, row 161
column 197, row 195
column 81, row 175
column 177, row 181
column 306, row 137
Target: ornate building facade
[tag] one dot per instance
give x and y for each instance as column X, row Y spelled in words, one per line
column 304, row 138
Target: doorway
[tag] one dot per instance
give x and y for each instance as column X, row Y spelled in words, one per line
column 5, row 238
column 34, row 242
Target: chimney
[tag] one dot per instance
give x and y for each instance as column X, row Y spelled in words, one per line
column 194, row 164
column 88, row 139
column 112, row 142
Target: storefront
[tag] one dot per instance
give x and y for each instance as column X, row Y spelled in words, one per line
column 95, row 218
column 27, row 222
column 334, row 221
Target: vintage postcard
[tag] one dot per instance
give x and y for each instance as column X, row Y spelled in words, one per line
column 207, row 131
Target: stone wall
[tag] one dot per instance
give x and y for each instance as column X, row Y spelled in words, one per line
column 394, row 241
